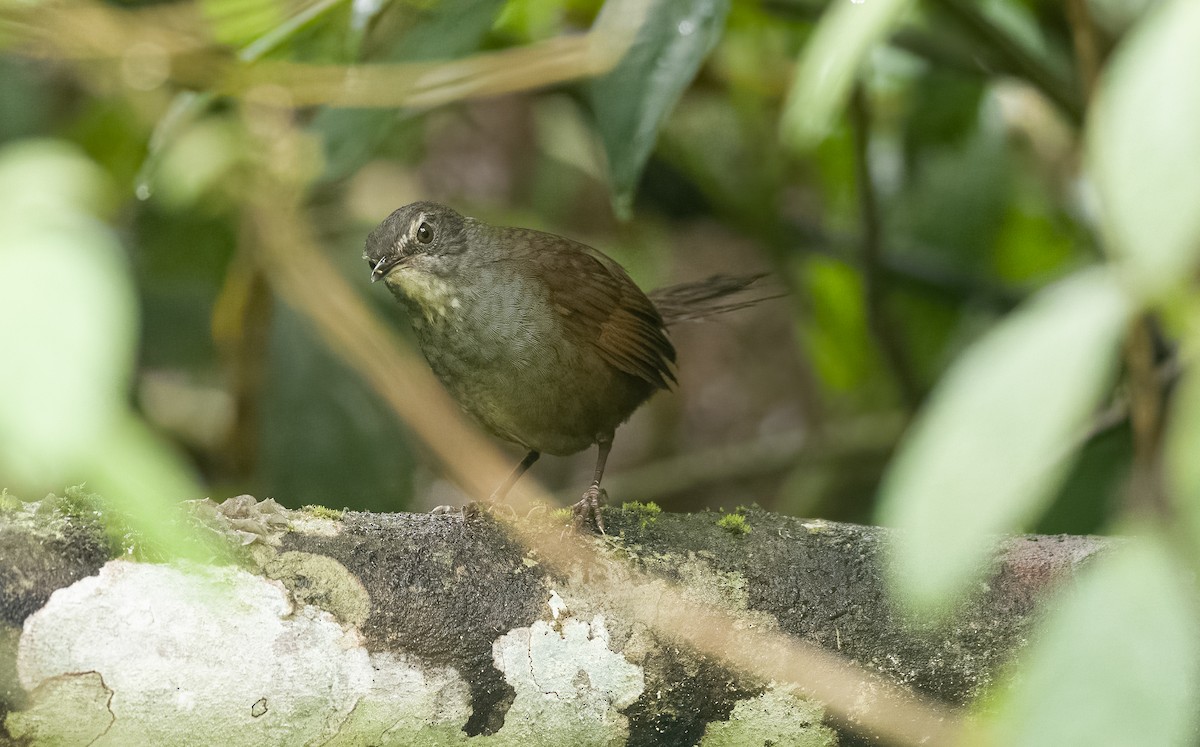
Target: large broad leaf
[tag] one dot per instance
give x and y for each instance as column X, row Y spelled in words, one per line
column 1115, row 664
column 1143, row 147
column 632, row 101
column 67, row 331
column 829, row 64
column 993, row 443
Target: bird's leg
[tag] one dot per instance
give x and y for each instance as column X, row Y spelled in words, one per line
column 594, row 496
column 499, row 493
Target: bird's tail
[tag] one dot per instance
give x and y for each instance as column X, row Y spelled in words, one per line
column 719, row 294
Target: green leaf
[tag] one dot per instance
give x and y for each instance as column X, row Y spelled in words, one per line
column 70, row 320
column 829, row 63
column 834, row 331
column 632, row 101
column 994, row 442
column 68, row 336
column 238, row 22
column 1182, row 451
column 1143, row 146
column 1114, row 664
column 49, row 177
column 198, row 160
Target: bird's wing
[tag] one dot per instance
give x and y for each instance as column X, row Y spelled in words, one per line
column 597, row 301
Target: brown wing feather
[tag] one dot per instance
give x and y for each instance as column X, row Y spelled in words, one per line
column 602, row 304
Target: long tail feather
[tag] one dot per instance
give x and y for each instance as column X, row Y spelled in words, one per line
column 689, row 302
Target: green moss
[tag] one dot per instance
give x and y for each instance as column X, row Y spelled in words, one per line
column 9, row 503
column 734, row 524
column 83, row 508
column 324, row 512
column 647, row 513
column 562, row 515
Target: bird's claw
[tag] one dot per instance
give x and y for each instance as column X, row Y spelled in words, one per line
column 475, row 508
column 589, row 507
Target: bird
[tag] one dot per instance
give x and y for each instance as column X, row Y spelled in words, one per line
column 546, row 342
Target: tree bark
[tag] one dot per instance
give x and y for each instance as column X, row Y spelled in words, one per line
column 399, row 629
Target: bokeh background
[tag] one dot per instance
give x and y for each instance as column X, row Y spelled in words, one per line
column 984, row 213
column 944, row 193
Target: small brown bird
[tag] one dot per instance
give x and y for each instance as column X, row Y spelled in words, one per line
column 545, row 341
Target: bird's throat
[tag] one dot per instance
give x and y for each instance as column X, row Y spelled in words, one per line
column 424, row 293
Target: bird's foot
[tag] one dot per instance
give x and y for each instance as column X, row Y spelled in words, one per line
column 589, row 507
column 475, row 508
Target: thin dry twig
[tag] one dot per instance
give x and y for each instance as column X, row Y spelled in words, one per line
column 93, row 31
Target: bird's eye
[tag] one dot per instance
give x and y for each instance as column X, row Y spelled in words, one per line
column 424, row 233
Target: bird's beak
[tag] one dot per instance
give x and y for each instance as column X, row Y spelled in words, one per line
column 384, row 266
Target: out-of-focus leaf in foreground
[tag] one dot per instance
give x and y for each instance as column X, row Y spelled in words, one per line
column 68, row 327
column 829, row 63
column 1182, row 451
column 994, row 442
column 632, row 101
column 238, row 22
column 1144, row 145
column 68, row 334
column 1114, row 664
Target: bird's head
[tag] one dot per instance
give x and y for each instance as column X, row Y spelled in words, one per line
column 420, row 239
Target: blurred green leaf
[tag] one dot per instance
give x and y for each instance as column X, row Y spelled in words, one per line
column 1182, row 450
column 197, row 159
column 1115, row 664
column 835, row 162
column 46, row 178
column 1143, row 146
column 829, row 64
column 238, row 22
column 68, row 332
column 994, row 442
column 283, row 31
column 527, row 20
column 632, row 101
column 69, row 338
column 835, row 331
column 1033, row 246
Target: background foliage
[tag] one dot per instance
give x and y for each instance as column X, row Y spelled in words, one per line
column 986, row 214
